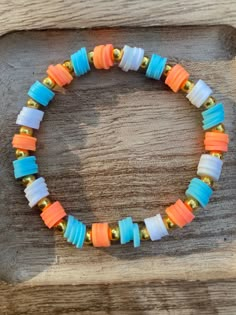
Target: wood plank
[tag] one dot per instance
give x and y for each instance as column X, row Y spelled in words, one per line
column 28, row 15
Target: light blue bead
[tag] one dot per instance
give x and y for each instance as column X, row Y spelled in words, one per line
column 75, row 232
column 70, row 222
column 136, row 235
column 81, row 237
column 213, row 116
column 40, row 93
column 200, row 191
column 126, row 230
column 156, row 67
column 80, row 62
column 25, row 166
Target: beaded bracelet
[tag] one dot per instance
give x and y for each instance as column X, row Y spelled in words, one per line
column 103, row 234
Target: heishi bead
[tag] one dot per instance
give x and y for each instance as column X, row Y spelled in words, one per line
column 216, row 141
column 156, row 227
column 199, row 93
column 24, row 142
column 103, row 56
column 100, row 235
column 75, row 232
column 80, row 62
column 200, row 191
column 136, row 235
column 25, row 166
column 59, row 74
column 213, row 116
column 132, row 58
column 209, row 166
column 40, row 93
column 36, row 191
column 179, row 213
column 156, row 67
column 53, row 214
column 176, row 77
column 30, row 117
column 126, row 230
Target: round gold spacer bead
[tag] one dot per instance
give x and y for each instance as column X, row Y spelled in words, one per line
column 21, row 153
column 117, row 54
column 143, row 232
column 48, row 82
column 28, row 180
column 44, row 203
column 191, row 203
column 68, row 65
column 167, row 70
column 90, row 56
column 26, row 131
column 31, row 103
column 61, row 226
column 209, row 102
column 219, row 155
column 114, row 233
column 145, row 62
column 187, row 87
column 208, row 180
column 88, row 237
column 169, row 223
column 219, row 128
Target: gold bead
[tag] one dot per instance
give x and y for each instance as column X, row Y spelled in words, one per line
column 114, row 233
column 44, row 203
column 209, row 102
column 21, row 153
column 187, row 87
column 61, row 226
column 117, row 54
column 68, row 65
column 208, row 180
column 167, row 70
column 143, row 232
column 169, row 223
column 26, row 131
column 219, row 155
column 219, row 128
column 145, row 62
column 49, row 82
column 90, row 56
column 28, row 180
column 31, row 103
column 88, row 237
column 191, row 203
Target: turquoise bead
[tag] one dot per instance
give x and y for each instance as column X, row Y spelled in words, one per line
column 25, row 166
column 80, row 62
column 126, row 230
column 213, row 116
column 136, row 235
column 200, row 191
column 40, row 93
column 156, row 67
column 75, row 232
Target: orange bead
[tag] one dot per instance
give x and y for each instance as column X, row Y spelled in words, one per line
column 59, row 74
column 100, row 235
column 216, row 141
column 179, row 213
column 103, row 56
column 53, row 214
column 176, row 77
column 24, row 142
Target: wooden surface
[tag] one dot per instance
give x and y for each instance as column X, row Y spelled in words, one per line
column 116, row 144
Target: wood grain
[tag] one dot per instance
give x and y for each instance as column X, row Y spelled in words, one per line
column 116, row 144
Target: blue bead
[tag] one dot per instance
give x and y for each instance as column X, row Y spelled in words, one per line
column 80, row 62
column 40, row 93
column 213, row 116
column 81, row 237
column 136, row 235
column 200, row 191
column 156, row 67
column 25, row 166
column 126, row 230
column 75, row 232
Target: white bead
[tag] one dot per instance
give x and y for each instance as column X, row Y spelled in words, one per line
column 210, row 166
column 199, row 93
column 156, row 227
column 36, row 191
column 30, row 117
column 131, row 59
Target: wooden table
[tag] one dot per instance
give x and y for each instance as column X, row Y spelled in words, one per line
column 113, row 145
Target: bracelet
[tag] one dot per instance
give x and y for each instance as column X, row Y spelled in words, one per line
column 156, row 67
